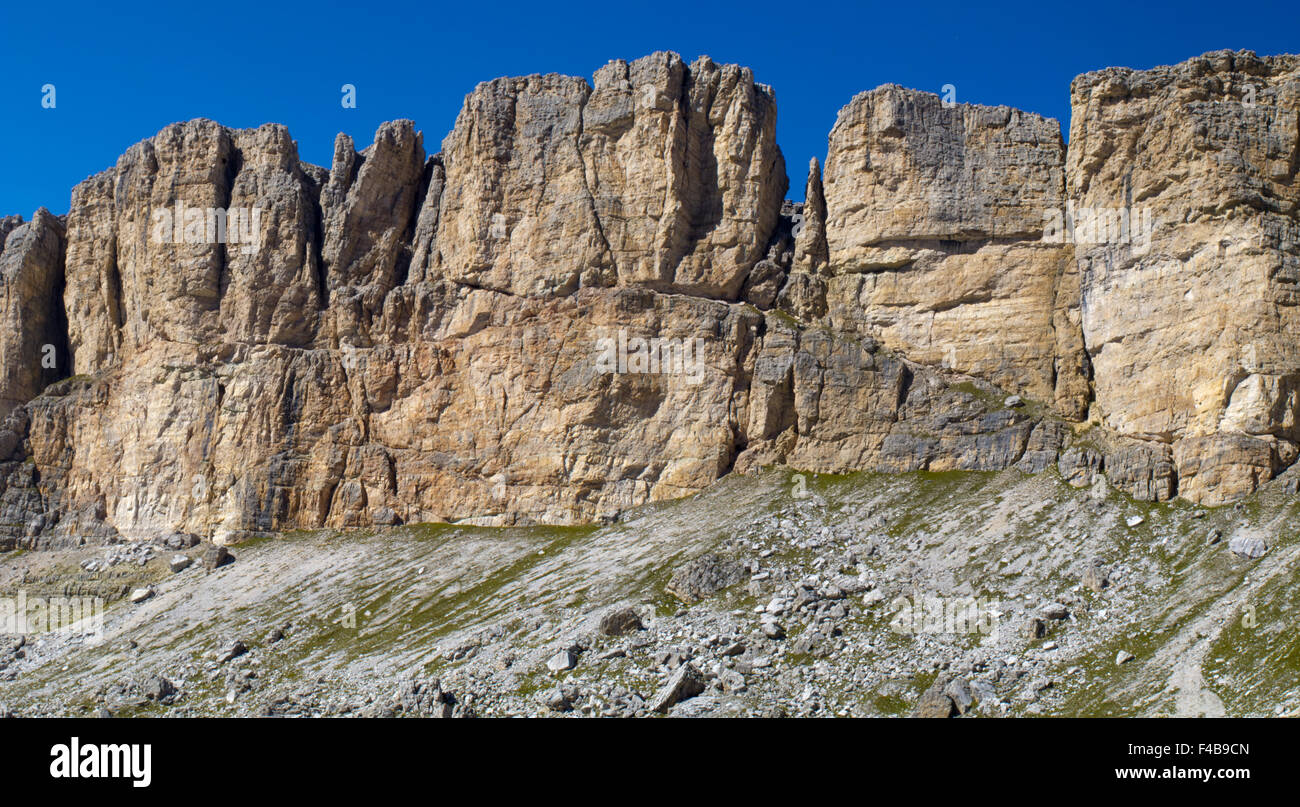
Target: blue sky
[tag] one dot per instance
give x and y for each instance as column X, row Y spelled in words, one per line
column 122, row 73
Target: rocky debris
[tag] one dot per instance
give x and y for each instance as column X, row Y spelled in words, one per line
column 420, row 698
column 815, row 560
column 139, row 595
column 181, row 540
column 1123, row 657
column 1145, row 472
column 703, row 577
column 179, row 563
column 1248, row 546
column 620, row 621
column 136, row 554
column 214, row 557
column 685, row 683
column 910, row 240
column 983, row 693
column 1134, row 521
column 557, row 700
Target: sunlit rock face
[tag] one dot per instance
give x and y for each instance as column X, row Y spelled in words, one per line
column 935, row 219
column 595, row 296
column 1190, row 316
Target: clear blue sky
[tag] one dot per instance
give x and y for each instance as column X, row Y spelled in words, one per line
column 123, row 71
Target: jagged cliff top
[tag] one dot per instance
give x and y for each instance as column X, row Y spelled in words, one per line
column 406, row 337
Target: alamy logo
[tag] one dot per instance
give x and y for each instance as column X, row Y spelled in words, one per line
column 944, row 615
column 209, row 225
column 91, row 761
column 656, row 356
column 32, row 615
column 1099, row 225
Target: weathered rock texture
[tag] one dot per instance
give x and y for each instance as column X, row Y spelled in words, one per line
column 934, row 228
column 415, row 337
column 1192, row 332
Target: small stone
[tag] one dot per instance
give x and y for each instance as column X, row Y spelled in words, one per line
column 935, row 703
column 619, row 622
column 983, row 692
column 561, row 661
column 685, row 683
column 732, row 681
column 157, row 688
column 959, row 692
column 1054, row 610
column 216, row 557
column 1123, row 657
column 1013, row 401
column 703, row 577
column 180, row 563
column 141, row 594
column 1095, row 578
column 233, row 650
column 1036, row 629
column 1248, row 546
column 1133, row 521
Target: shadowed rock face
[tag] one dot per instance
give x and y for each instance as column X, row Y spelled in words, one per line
column 592, row 298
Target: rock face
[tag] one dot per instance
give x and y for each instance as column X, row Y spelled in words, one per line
column 934, row 232
column 1190, row 316
column 33, row 340
column 594, row 296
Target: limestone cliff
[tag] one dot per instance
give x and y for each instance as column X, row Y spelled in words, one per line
column 1191, row 326
column 594, row 296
